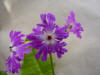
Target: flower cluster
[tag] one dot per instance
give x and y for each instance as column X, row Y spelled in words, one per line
column 46, row 38
column 17, row 49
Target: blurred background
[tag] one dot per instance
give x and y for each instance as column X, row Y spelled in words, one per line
column 83, row 57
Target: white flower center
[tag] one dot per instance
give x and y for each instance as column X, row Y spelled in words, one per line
column 48, row 38
column 12, row 48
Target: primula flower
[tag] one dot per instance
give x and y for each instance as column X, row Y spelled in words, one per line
column 13, row 63
column 47, row 37
column 16, row 38
column 17, row 48
column 73, row 26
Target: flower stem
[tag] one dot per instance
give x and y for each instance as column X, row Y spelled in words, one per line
column 52, row 66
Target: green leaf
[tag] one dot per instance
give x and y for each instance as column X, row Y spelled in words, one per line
column 3, row 73
column 32, row 66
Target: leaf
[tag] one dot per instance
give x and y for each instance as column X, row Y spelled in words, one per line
column 32, row 66
column 3, row 73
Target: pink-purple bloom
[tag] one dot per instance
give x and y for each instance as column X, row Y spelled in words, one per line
column 13, row 63
column 16, row 38
column 17, row 48
column 73, row 26
column 47, row 37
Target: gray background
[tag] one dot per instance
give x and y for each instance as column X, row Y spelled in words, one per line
column 83, row 57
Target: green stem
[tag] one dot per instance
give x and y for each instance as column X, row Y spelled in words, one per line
column 52, row 66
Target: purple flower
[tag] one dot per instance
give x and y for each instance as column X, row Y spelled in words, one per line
column 47, row 37
column 18, row 49
column 13, row 63
column 16, row 38
column 73, row 26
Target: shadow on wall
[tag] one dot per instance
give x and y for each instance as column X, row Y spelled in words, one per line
column 5, row 17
